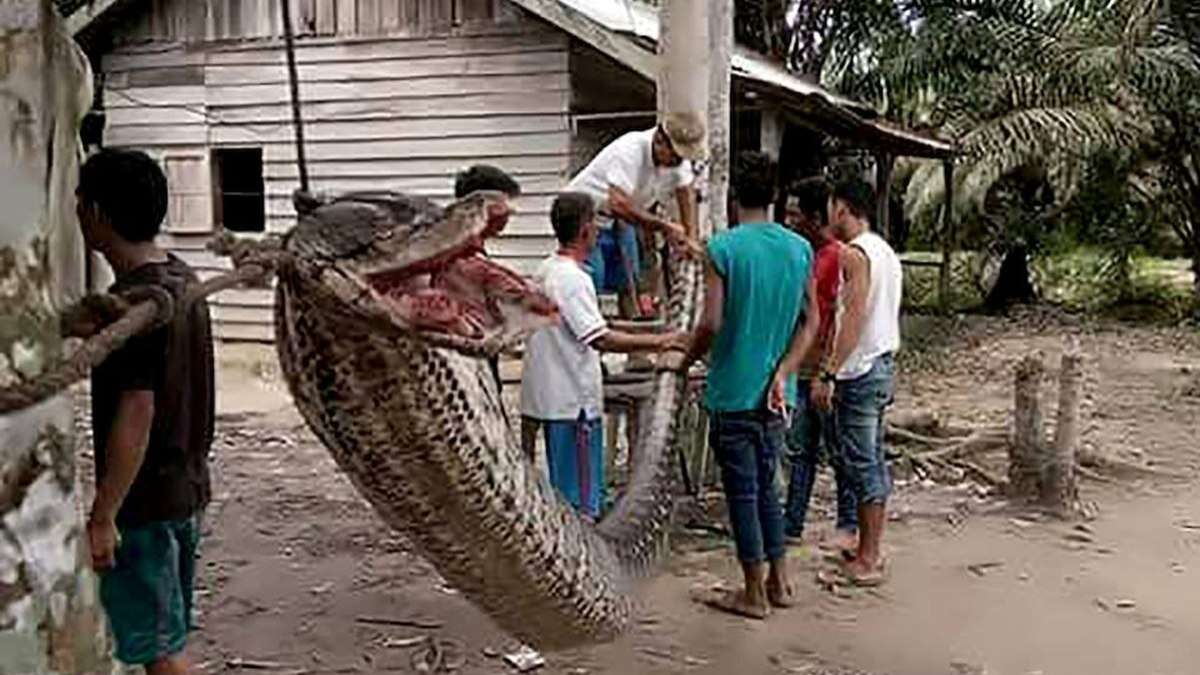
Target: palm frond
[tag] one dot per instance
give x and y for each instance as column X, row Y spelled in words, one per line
column 1058, row 139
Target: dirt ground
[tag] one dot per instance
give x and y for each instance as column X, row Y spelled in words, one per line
column 293, row 559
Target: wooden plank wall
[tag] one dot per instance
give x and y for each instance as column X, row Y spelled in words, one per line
column 212, row 20
column 400, row 112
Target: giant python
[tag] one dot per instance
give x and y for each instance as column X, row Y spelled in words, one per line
column 384, row 309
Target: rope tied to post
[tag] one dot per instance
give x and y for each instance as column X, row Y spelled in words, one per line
column 140, row 310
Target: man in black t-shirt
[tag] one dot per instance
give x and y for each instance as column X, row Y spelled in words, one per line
column 152, row 417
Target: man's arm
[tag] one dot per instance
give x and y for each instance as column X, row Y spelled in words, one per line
column 804, row 335
column 124, row 453
column 685, row 197
column 857, row 276
column 621, row 204
column 624, row 343
column 711, row 317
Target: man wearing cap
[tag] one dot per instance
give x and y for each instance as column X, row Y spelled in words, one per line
column 625, row 180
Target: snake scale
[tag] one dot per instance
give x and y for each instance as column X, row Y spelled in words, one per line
column 415, row 421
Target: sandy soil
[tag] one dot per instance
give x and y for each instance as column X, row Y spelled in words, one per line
column 293, row 558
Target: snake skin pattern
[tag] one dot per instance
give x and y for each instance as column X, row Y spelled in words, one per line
column 418, row 429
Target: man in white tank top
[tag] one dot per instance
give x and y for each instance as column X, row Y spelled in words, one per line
column 856, row 380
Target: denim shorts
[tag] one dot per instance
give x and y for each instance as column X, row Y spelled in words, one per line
column 148, row 593
column 607, row 259
column 859, row 407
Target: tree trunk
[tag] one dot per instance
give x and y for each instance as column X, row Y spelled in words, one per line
column 1059, row 489
column 50, row 621
column 1194, row 249
column 1013, row 284
column 1024, row 472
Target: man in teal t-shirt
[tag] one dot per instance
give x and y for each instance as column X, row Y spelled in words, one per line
column 757, row 283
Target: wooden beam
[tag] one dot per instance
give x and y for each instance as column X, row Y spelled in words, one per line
column 948, row 236
column 619, row 47
column 88, row 13
column 884, row 162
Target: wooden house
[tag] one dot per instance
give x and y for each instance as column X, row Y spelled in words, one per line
column 397, row 94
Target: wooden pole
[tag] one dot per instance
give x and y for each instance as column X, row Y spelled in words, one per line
column 1025, row 454
column 1059, row 490
column 884, row 162
column 948, row 236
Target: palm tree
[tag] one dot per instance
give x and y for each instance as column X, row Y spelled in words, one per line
column 1034, row 91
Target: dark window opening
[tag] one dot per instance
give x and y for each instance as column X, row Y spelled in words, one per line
column 239, row 198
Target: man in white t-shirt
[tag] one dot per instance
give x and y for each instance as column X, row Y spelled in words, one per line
column 858, row 372
column 561, row 385
column 625, row 180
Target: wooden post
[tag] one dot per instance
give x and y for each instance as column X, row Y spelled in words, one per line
column 1059, row 489
column 1024, row 467
column 884, row 162
column 948, row 236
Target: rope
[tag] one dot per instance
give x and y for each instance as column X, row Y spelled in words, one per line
column 252, row 262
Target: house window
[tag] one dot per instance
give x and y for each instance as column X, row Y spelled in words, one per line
column 239, row 200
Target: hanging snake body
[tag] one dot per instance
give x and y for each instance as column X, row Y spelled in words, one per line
column 418, row 427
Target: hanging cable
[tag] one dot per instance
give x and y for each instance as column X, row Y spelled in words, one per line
column 294, row 82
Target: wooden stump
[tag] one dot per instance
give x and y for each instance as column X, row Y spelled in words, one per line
column 1024, row 467
column 1059, row 489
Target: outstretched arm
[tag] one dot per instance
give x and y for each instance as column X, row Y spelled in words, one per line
column 624, row 343
column 621, row 204
column 711, row 318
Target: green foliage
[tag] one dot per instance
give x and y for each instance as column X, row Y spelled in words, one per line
column 1077, row 118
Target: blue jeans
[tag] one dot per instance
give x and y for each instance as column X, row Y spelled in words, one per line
column 747, row 447
column 805, row 441
column 575, row 457
column 858, row 410
column 605, row 260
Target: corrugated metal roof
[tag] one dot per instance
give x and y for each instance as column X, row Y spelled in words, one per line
column 843, row 116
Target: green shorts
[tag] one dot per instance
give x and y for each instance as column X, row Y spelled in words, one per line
column 148, row 593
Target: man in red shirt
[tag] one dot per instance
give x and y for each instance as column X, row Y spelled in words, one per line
column 806, row 214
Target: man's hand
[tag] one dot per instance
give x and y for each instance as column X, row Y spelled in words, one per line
column 679, row 341
column 822, row 395
column 103, row 540
column 677, row 236
column 777, row 394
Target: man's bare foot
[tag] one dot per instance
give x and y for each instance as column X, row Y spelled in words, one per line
column 861, row 573
column 843, row 542
column 734, row 602
column 781, row 593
